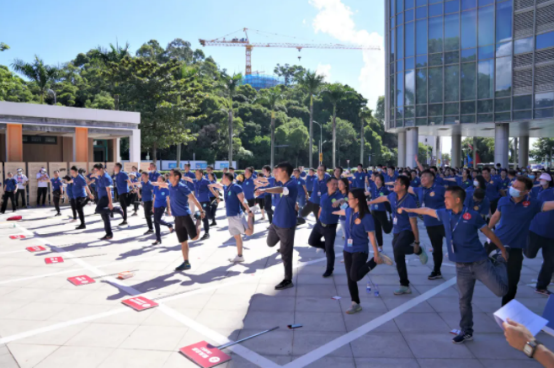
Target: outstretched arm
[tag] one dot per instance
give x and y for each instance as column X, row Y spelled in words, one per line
column 381, row 199
column 419, row 165
column 421, row 211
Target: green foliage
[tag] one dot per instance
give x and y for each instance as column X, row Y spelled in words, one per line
column 3, row 46
column 484, row 146
column 542, row 149
column 13, row 88
column 42, row 75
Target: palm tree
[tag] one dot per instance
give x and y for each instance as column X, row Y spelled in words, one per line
column 272, row 98
column 229, row 86
column 114, row 54
column 335, row 92
column 311, row 83
column 365, row 115
column 3, row 46
column 41, row 74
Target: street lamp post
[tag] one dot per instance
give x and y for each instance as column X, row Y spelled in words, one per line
column 320, row 141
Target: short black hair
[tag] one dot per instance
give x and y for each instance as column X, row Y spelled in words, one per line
column 360, row 165
column 512, row 172
column 144, row 173
column 177, row 173
column 340, row 169
column 98, row 166
column 434, row 168
column 81, row 171
column 229, row 176
column 201, row 171
column 525, row 180
column 119, row 165
column 331, row 178
column 457, row 192
column 187, row 165
column 391, row 167
column 324, row 167
column 209, row 168
column 427, row 171
column 479, row 193
column 404, row 181
column 231, row 168
column 486, row 169
column 285, row 166
column 74, row 168
column 266, row 168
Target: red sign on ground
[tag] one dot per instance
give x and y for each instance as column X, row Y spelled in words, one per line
column 81, row 280
column 36, row 248
column 205, row 354
column 53, row 260
column 13, row 237
column 140, row 303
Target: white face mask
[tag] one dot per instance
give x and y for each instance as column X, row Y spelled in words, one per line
column 475, row 183
column 544, row 183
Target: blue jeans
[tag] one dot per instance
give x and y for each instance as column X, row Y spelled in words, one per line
column 493, row 275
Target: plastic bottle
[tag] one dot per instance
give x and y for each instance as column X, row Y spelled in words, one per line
column 376, row 290
column 368, row 288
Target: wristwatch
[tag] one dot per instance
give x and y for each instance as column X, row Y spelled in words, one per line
column 530, row 348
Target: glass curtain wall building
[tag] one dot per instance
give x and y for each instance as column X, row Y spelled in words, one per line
column 470, row 67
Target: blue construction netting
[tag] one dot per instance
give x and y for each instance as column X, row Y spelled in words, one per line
column 260, row 81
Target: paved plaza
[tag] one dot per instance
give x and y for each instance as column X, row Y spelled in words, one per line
column 47, row 322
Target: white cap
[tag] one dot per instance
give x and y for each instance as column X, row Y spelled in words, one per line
column 545, row 176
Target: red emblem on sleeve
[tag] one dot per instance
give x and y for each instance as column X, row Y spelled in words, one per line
column 526, row 203
column 467, row 216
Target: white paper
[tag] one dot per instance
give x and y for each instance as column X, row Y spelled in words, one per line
column 336, row 298
column 517, row 312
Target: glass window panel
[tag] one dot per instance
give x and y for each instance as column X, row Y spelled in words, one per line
column 503, row 21
column 452, row 57
column 452, row 32
column 435, row 110
column 469, row 81
column 518, row 115
column 392, row 91
column 409, row 4
column 410, row 87
column 392, row 47
column 421, row 86
column 484, row 106
column 399, row 65
column 392, row 113
column 435, row 9
column 468, row 119
column 543, row 100
column 399, row 123
column 452, row 6
column 409, row 123
column 392, row 23
column 409, row 15
column 421, row 12
column 421, row 34
column 399, row 90
column 485, row 84
column 523, row 45
column 435, row 59
column 485, row 2
column 469, row 29
column 523, row 102
column 435, row 34
column 452, row 83
column 435, row 120
column 421, row 60
column 409, row 63
column 392, row 7
column 502, row 116
column 452, row 120
column 435, row 85
column 399, row 112
column 399, row 5
column 421, row 122
column 503, row 76
column 421, row 110
column 451, row 108
column 544, row 113
column 391, row 68
column 504, row 49
column 486, row 52
column 400, row 18
column 484, row 118
column 469, row 55
column 400, row 42
column 468, row 4
column 409, row 111
column 486, row 26
column 545, row 40
column 421, row 2
column 410, row 39
column 468, row 107
column 502, row 104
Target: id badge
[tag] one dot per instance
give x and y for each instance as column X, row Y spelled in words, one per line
column 349, row 242
column 376, row 206
column 395, row 221
column 319, row 194
column 422, row 204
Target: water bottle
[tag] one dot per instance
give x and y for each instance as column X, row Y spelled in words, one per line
column 368, row 288
column 376, row 291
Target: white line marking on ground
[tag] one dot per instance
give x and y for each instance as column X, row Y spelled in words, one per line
column 331, row 346
column 14, row 251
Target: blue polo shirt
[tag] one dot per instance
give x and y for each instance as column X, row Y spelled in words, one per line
column 56, row 183
column 483, row 207
column 515, row 220
column 10, row 185
column 464, row 184
column 69, row 191
column 104, row 184
column 232, row 202
column 92, row 180
column 79, row 184
column 153, row 176
column 206, row 176
column 439, row 180
column 276, row 197
column 462, row 237
column 376, row 193
column 327, row 208
column 493, row 187
column 449, row 183
column 536, row 191
column 390, row 179
column 121, row 182
column 191, row 175
column 432, row 197
column 309, row 181
column 248, row 187
column 285, row 210
column 146, row 191
column 505, row 183
column 161, row 197
column 201, row 190
column 543, row 222
column 415, row 183
column 270, row 184
column 357, row 232
column 319, row 188
column 358, row 179
column 300, row 183
column 179, row 199
column 210, row 192
column 303, row 175
column 401, row 221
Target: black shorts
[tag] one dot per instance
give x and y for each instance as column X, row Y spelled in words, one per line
column 261, row 202
column 251, row 202
column 185, row 228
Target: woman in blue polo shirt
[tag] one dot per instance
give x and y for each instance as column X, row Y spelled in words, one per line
column 161, row 201
column 359, row 229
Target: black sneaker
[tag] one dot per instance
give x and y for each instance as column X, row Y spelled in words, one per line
column 106, row 237
column 80, row 227
column 434, row 276
column 124, row 223
column 213, row 223
column 205, row 236
column 157, row 242
column 461, row 338
column 328, row 273
column 150, row 231
column 184, row 266
column 285, row 284
column 544, row 292
column 58, row 214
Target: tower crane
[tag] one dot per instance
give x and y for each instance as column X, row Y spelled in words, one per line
column 245, row 42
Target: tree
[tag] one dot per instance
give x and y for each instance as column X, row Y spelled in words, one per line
column 152, row 51
column 229, row 86
column 272, row 98
column 42, row 75
column 484, row 146
column 289, row 72
column 423, row 152
column 365, row 114
column 311, row 83
column 180, row 50
column 542, row 150
column 3, row 46
column 335, row 92
column 13, row 88
column 295, row 134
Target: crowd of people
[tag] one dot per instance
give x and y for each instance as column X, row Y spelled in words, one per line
column 511, row 207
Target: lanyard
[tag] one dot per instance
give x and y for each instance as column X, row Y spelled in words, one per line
column 457, row 223
column 351, row 218
column 398, row 203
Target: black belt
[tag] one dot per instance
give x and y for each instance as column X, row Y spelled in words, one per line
column 327, row 225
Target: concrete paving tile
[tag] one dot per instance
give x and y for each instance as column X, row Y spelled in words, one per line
column 102, row 335
column 436, row 345
column 316, row 304
column 7, row 361
column 240, row 362
column 74, row 311
column 315, row 290
column 178, row 360
column 55, row 337
column 451, row 363
column 265, row 303
column 306, row 341
column 134, row 358
column 36, row 311
column 75, row 356
column 159, row 318
column 313, row 321
column 28, row 356
column 482, row 322
column 421, row 322
column 385, row 363
column 359, row 319
column 333, row 362
column 394, row 302
column 383, row 345
column 487, row 346
column 228, row 303
column 510, row 363
column 269, row 290
column 443, row 304
column 278, row 342
column 154, row 338
column 266, row 320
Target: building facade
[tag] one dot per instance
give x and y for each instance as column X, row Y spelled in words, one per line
column 474, row 68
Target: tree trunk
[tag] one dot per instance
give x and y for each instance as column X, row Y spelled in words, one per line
column 311, row 131
column 272, row 140
column 230, row 137
column 179, row 155
column 362, row 141
column 116, row 102
column 334, row 135
column 155, row 153
column 42, row 92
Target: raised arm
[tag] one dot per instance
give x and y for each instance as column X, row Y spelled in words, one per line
column 548, row 206
column 381, row 199
column 421, row 211
column 340, row 213
column 419, row 165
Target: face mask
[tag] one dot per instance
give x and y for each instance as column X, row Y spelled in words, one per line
column 531, row 176
column 544, row 183
column 514, row 192
column 379, row 169
column 475, row 183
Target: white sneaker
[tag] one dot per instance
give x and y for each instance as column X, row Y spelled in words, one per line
column 355, row 308
column 237, row 259
column 380, row 249
column 386, row 259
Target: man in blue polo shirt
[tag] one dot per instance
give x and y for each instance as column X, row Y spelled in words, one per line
column 478, row 202
column 91, row 182
column 359, row 178
column 80, row 194
column 105, row 207
column 461, row 226
column 406, row 235
column 189, row 174
column 284, row 225
column 326, row 225
column 492, row 190
column 513, row 216
column 202, row 193
column 310, row 178
column 57, row 189
column 302, row 196
column 154, row 174
column 390, row 177
column 10, row 185
column 318, row 189
column 146, row 197
column 122, row 181
column 265, row 199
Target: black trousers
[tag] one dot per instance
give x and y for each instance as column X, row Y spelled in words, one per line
column 79, row 205
column 148, row 214
column 212, row 208
column 356, row 266
column 205, row 220
column 329, row 232
column 286, row 237
column 105, row 212
column 41, row 192
column 158, row 214
column 94, row 193
column 515, row 261
column 268, row 206
column 382, row 223
column 535, row 243
column 56, row 195
column 436, row 233
column 310, row 207
column 73, row 204
column 494, row 205
column 123, row 201
column 402, row 246
column 20, row 193
column 10, row 196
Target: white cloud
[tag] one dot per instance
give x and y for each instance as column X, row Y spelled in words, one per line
column 325, row 71
column 335, row 19
column 303, row 21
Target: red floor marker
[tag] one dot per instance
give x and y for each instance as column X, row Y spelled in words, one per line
column 36, row 248
column 13, row 237
column 14, row 218
column 204, row 354
column 139, row 303
column 53, row 260
column 81, row 280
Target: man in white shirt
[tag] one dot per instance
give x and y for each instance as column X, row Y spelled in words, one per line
column 22, row 182
column 42, row 180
